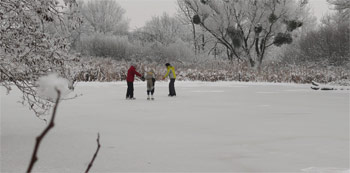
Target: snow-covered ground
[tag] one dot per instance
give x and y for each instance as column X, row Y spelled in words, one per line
column 208, row 127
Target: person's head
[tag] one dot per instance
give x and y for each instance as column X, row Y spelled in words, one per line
column 167, row 64
column 134, row 65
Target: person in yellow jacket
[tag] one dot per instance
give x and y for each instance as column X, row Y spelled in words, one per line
column 171, row 73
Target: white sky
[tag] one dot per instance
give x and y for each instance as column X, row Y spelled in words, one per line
column 140, row 11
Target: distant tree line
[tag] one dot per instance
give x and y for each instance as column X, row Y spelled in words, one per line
column 329, row 44
column 250, row 31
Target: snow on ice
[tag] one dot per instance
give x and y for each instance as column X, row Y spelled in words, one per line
column 208, row 127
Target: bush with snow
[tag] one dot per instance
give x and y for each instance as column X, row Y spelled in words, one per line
column 96, row 69
column 101, row 45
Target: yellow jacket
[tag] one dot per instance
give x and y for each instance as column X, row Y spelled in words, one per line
column 170, row 72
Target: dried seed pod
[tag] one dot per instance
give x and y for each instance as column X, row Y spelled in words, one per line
column 293, row 24
column 282, row 38
column 235, row 35
column 272, row 18
column 196, row 19
column 258, row 28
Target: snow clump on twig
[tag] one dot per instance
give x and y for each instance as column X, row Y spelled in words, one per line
column 47, row 86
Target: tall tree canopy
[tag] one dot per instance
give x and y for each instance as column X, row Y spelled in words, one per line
column 104, row 16
column 163, row 29
column 247, row 28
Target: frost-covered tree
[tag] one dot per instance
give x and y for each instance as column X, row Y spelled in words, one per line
column 34, row 42
column 248, row 28
column 202, row 41
column 330, row 43
column 185, row 17
column 342, row 6
column 104, row 16
column 163, row 29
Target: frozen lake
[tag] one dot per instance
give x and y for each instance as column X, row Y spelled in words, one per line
column 208, row 127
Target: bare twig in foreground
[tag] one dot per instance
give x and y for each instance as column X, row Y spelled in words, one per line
column 42, row 135
column 94, row 157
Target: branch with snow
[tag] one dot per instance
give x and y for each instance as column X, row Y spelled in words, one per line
column 318, row 86
column 47, row 86
column 34, row 42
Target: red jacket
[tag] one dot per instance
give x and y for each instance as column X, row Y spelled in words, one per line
column 131, row 74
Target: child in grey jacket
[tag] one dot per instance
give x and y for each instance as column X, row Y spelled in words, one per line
column 151, row 79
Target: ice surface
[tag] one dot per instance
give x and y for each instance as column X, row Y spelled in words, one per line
column 208, row 127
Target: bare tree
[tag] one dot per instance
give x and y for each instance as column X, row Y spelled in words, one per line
column 104, row 16
column 186, row 18
column 247, row 28
column 163, row 29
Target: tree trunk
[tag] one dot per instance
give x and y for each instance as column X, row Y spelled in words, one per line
column 252, row 62
column 229, row 54
column 194, row 38
column 203, row 44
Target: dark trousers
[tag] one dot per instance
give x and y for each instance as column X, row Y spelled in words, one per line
column 172, row 87
column 150, row 91
column 130, row 91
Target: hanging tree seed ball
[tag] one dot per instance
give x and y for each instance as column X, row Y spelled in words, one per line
column 237, row 42
column 299, row 24
column 204, row 1
column 293, row 24
column 196, row 19
column 272, row 18
column 235, row 35
column 282, row 38
column 258, row 28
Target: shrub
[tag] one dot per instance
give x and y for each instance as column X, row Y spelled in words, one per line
column 214, row 70
column 117, row 47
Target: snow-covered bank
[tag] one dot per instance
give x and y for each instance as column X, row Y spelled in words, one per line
column 209, row 126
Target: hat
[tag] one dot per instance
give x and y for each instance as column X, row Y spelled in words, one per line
column 167, row 64
column 133, row 64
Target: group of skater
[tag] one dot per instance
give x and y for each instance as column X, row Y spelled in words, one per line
column 150, row 77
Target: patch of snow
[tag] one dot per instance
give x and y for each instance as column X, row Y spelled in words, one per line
column 47, row 86
column 261, row 92
column 208, row 91
column 325, row 170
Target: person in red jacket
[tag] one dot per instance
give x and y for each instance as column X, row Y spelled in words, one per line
column 130, row 81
